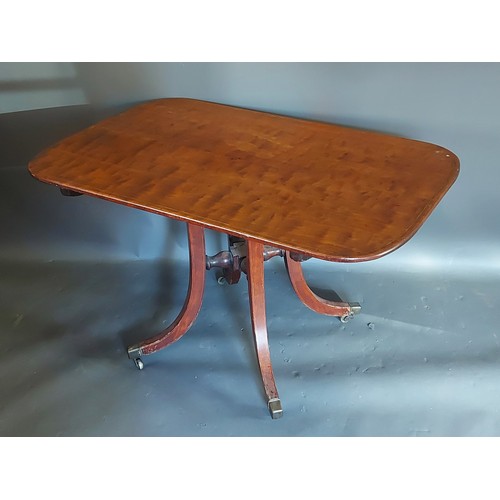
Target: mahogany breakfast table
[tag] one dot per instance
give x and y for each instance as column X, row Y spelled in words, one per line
column 278, row 186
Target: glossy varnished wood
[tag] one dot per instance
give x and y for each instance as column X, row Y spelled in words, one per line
column 328, row 191
column 256, row 296
column 308, row 297
column 192, row 304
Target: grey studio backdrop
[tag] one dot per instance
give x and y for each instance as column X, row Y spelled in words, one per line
column 81, row 277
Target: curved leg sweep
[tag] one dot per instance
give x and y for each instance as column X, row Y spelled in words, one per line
column 255, row 274
column 191, row 306
column 344, row 310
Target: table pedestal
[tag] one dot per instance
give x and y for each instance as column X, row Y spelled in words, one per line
column 247, row 257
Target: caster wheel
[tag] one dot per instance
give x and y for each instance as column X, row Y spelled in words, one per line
column 138, row 362
column 345, row 318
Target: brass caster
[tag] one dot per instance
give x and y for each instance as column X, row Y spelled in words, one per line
column 355, row 308
column 134, row 353
column 346, row 317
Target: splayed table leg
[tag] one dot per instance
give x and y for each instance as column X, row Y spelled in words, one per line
column 255, row 274
column 344, row 310
column 192, row 304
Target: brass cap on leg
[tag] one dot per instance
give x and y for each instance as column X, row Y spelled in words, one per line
column 275, row 408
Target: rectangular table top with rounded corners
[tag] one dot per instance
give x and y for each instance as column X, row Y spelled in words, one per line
column 328, row 191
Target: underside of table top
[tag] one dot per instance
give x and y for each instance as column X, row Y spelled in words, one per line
column 332, row 192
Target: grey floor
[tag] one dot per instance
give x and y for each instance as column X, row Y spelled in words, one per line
column 423, row 358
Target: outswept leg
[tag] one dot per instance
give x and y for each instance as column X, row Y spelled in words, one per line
column 192, row 304
column 344, row 310
column 255, row 274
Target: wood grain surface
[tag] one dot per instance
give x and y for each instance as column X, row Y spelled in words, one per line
column 333, row 192
column 257, row 299
column 194, row 297
column 307, row 296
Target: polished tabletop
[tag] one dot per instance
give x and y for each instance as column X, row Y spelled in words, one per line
column 329, row 191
